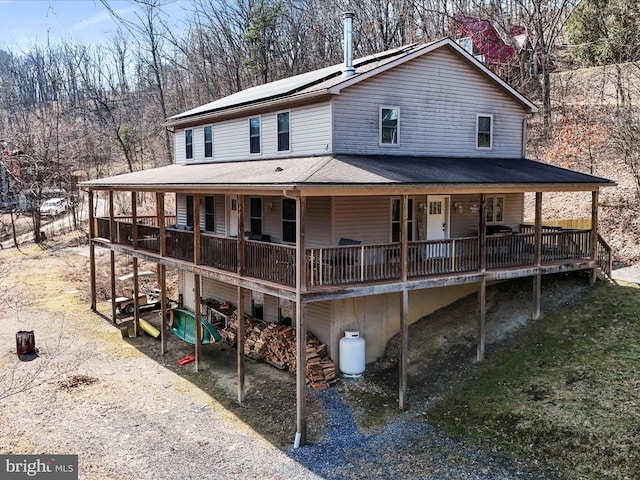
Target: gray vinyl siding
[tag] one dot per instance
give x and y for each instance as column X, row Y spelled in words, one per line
column 439, row 96
column 318, row 317
column 181, row 209
column 362, row 218
column 310, row 130
column 219, row 291
column 318, row 228
column 464, row 223
column 179, row 146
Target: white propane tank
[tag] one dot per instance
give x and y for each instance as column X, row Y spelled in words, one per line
column 352, row 356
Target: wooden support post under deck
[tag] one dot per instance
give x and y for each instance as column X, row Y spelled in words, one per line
column 481, row 332
column 240, row 306
column 198, row 317
column 537, row 280
column 301, row 327
column 112, row 238
column 163, row 309
column 112, row 262
column 136, row 298
column 404, row 306
column 594, row 234
column 481, row 322
column 92, row 254
column 240, row 340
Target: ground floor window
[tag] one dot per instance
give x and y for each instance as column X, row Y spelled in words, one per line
column 396, row 219
column 495, row 209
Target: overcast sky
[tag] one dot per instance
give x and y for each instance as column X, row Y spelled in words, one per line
column 27, row 22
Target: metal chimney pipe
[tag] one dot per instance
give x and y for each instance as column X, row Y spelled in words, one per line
column 348, row 69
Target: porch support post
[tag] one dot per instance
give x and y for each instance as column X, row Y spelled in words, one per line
column 482, row 232
column 112, row 238
column 92, row 253
column 136, row 283
column 481, row 321
column 301, row 326
column 481, row 327
column 162, row 237
column 537, row 279
column 134, row 220
column 240, row 242
column 198, row 325
column 594, row 235
column 240, row 306
column 404, row 307
column 163, row 308
column 196, row 229
column 240, row 340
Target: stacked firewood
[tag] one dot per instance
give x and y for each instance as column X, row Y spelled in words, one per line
column 276, row 345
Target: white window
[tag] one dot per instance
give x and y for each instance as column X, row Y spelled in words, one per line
column 389, row 125
column 188, row 144
column 284, row 132
column 254, row 135
column 495, row 209
column 208, row 141
column 484, row 131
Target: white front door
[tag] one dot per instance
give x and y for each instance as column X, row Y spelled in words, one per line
column 232, row 215
column 437, row 217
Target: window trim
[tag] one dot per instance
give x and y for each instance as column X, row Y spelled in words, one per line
column 210, row 142
column 252, row 217
column 381, row 127
column 293, row 221
column 494, row 203
column 210, row 214
column 259, row 136
column 188, row 144
column 288, row 131
column 491, row 128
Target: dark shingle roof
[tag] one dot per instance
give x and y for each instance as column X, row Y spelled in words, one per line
column 355, row 171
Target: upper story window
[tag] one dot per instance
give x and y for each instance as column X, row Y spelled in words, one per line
column 288, row 220
column 484, row 131
column 396, row 219
column 389, row 125
column 209, row 213
column 254, row 135
column 188, row 144
column 255, row 215
column 495, row 209
column 208, row 141
column 284, row 136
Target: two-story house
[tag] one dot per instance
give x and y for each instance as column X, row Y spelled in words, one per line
column 360, row 196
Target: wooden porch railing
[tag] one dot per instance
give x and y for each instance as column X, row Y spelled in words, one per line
column 219, row 252
column 604, row 257
column 356, row 264
column 271, row 261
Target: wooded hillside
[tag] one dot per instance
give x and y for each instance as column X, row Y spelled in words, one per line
column 71, row 110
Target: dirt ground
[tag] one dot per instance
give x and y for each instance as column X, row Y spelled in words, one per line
column 132, row 413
